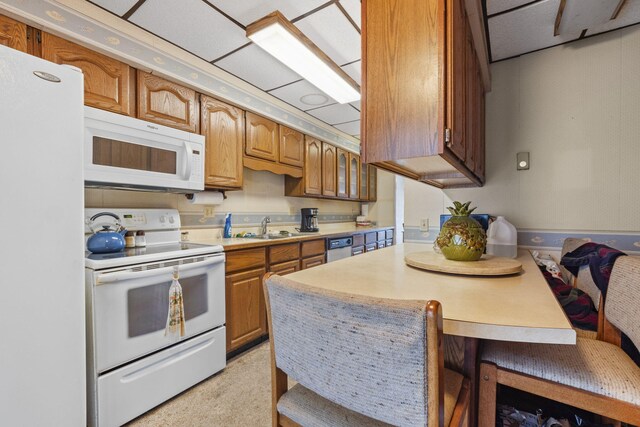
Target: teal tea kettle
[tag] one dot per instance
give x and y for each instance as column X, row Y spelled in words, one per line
column 107, row 239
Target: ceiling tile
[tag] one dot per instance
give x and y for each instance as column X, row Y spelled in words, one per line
column 258, row 68
column 525, row 30
column 119, row 7
column 192, row 25
column 354, row 70
column 629, row 15
column 332, row 32
column 248, row 11
column 579, row 15
column 356, row 105
column 293, row 92
column 497, row 6
column 336, row 113
column 353, row 9
column 352, row 128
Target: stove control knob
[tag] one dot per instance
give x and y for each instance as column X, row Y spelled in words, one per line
column 162, row 219
column 171, row 220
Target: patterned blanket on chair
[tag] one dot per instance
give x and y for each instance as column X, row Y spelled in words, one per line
column 600, row 259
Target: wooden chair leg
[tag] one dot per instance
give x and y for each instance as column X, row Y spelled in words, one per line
column 487, row 395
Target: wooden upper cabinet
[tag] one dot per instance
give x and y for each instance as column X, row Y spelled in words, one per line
column 480, row 145
column 415, row 85
column 364, row 182
column 354, row 176
column 13, row 34
column 108, row 83
column 291, row 150
column 167, row 103
column 456, row 76
column 223, row 127
column 373, row 183
column 472, row 105
column 329, row 187
column 312, row 166
column 262, row 137
column 342, row 168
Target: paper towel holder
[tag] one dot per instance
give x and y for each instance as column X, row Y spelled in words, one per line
column 190, row 196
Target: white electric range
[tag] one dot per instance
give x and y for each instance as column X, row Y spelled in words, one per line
column 132, row 365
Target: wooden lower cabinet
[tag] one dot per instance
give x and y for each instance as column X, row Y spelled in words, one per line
column 313, row 261
column 245, row 308
column 357, row 250
column 285, row 267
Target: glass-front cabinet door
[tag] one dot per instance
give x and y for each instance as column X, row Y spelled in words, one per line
column 343, row 175
column 354, row 176
column 364, row 182
column 373, row 183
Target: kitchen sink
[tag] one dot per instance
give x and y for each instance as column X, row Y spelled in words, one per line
column 278, row 236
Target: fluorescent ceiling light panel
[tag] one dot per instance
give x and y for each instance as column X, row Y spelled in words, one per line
column 279, row 37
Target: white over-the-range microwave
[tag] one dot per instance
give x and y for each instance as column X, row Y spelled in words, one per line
column 123, row 152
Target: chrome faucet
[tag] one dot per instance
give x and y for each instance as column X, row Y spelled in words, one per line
column 263, row 225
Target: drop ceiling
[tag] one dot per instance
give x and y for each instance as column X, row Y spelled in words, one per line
column 214, row 30
column 516, row 27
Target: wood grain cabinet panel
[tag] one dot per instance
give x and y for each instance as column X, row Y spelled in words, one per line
column 262, row 137
column 312, row 166
column 13, row 34
column 167, row 103
column 354, row 176
column 457, row 43
column 285, row 267
column 472, row 107
column 108, row 84
column 291, row 150
column 245, row 308
column 329, row 187
column 313, row 261
column 312, row 247
column 223, row 128
column 364, row 182
column 282, row 253
column 245, row 259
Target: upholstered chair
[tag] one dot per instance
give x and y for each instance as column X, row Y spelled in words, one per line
column 594, row 375
column 358, row 361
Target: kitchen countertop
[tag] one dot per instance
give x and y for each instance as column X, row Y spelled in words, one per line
column 518, row 307
column 236, row 243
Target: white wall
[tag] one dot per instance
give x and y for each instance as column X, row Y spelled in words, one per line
column 576, row 109
column 383, row 210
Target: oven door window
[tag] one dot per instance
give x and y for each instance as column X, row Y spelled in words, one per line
column 147, row 307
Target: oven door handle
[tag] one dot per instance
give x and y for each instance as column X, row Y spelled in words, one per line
column 119, row 276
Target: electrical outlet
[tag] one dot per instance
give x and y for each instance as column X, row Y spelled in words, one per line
column 424, row 224
column 208, row 211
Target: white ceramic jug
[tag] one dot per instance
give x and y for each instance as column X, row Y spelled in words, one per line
column 502, row 238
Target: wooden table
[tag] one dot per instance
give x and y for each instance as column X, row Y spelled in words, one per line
column 508, row 308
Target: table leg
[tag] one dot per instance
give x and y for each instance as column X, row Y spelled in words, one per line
column 470, row 370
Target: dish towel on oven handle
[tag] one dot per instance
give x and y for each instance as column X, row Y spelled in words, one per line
column 175, row 317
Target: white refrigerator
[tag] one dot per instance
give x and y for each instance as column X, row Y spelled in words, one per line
column 42, row 332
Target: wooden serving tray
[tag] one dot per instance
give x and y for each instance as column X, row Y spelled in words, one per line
column 488, row 265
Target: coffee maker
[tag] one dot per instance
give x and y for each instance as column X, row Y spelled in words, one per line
column 309, row 221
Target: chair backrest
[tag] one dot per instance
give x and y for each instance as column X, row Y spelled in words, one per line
column 622, row 307
column 584, row 281
column 381, row 358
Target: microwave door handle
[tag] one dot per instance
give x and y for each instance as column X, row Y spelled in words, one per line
column 189, row 157
column 119, row 276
